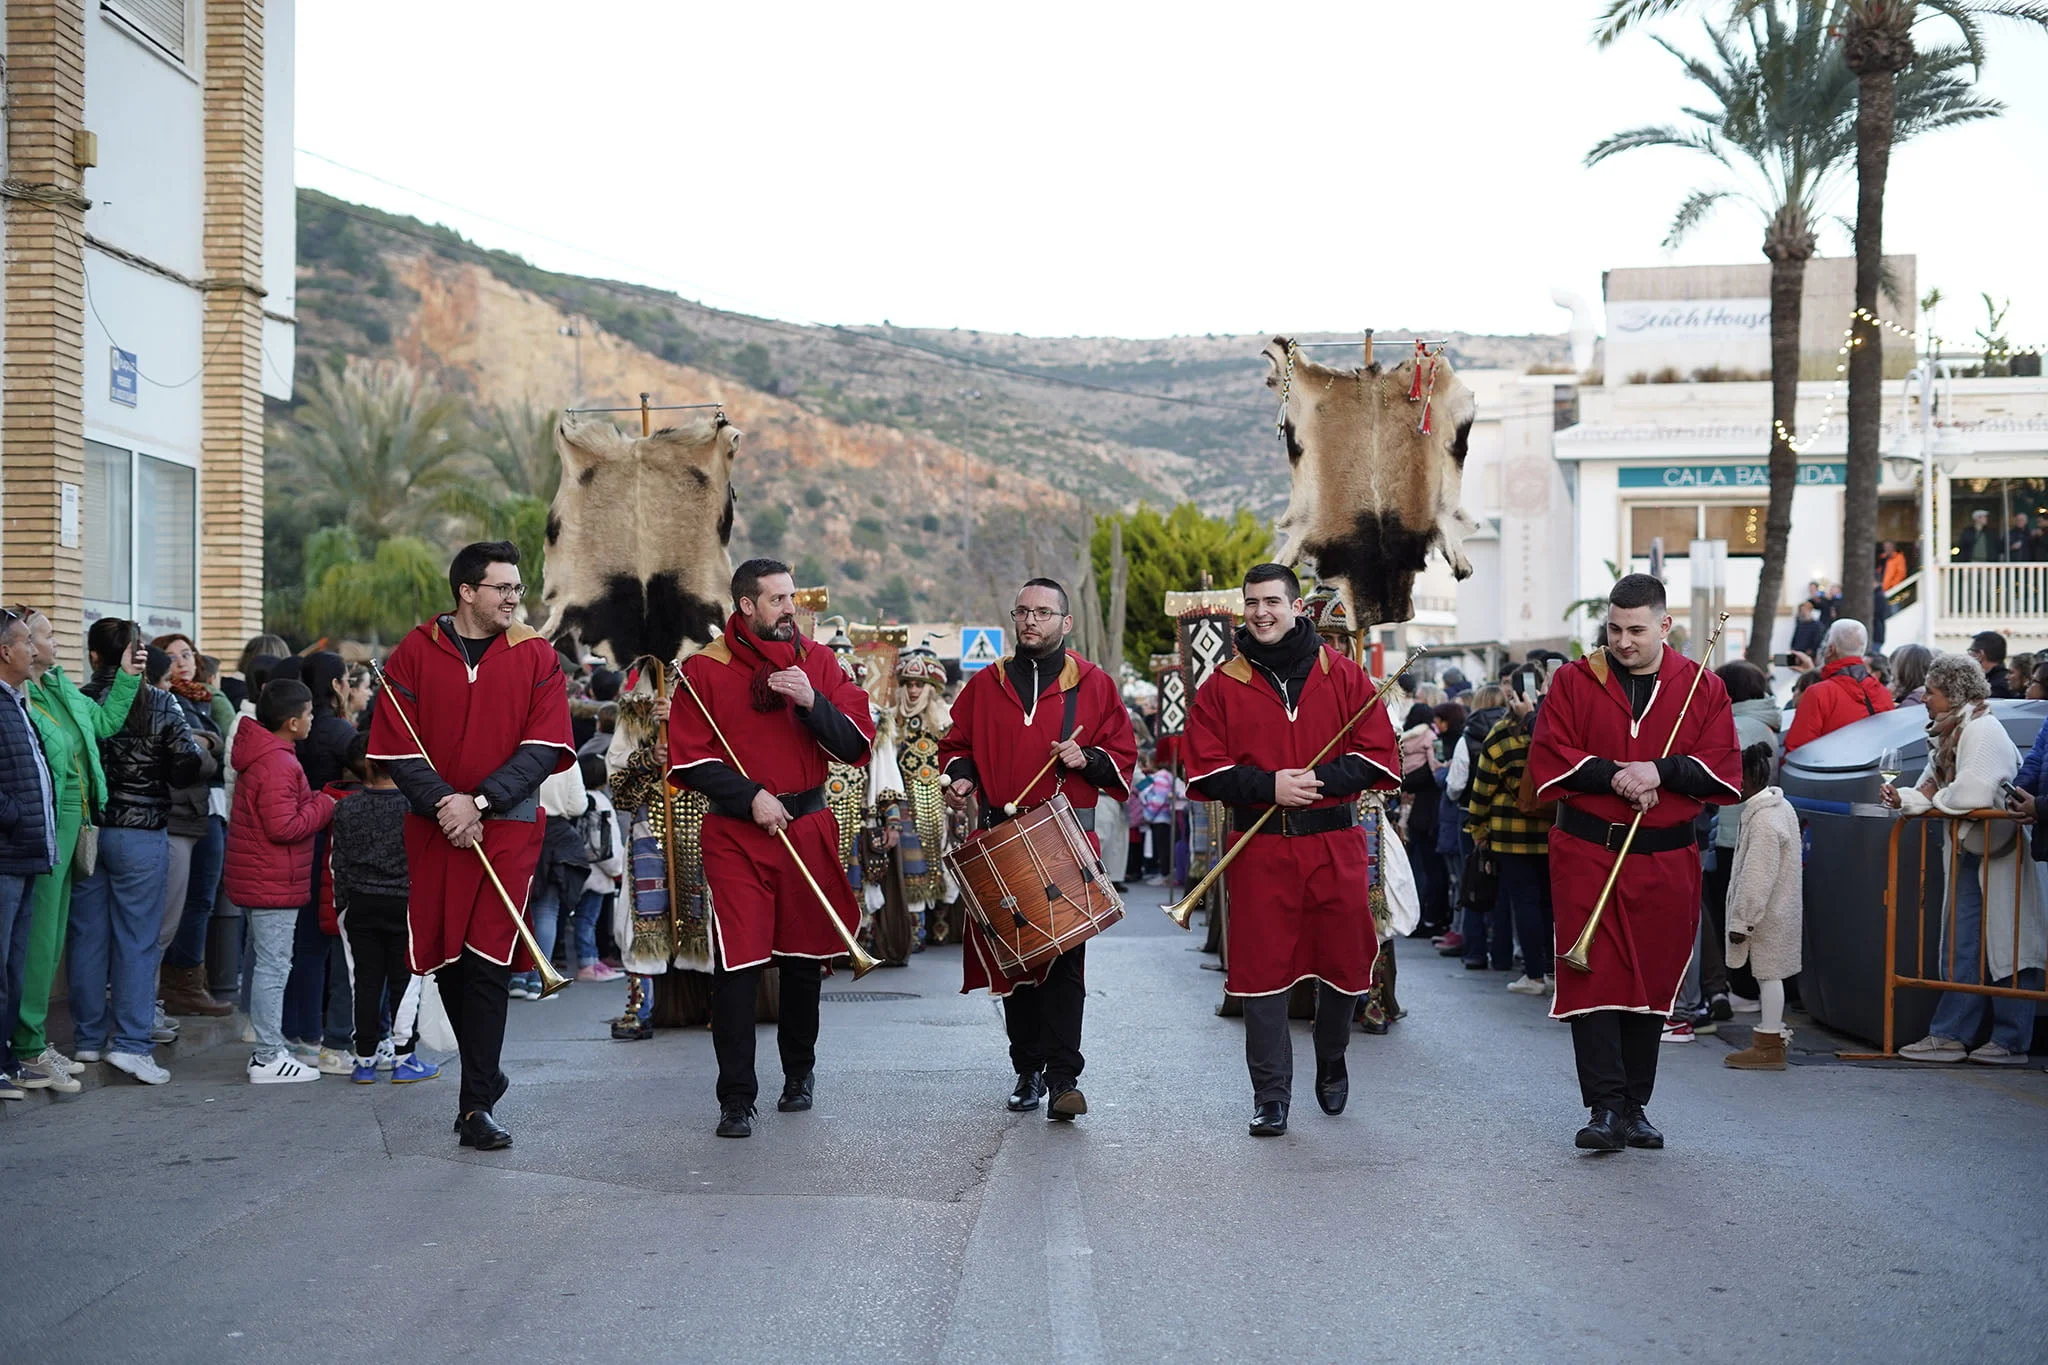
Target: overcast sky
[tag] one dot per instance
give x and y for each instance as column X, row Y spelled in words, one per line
column 1107, row 168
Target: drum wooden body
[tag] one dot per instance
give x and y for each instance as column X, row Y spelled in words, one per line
column 1035, row 886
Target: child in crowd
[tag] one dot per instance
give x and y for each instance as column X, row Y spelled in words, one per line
column 605, row 846
column 558, row 879
column 269, row 861
column 371, row 885
column 1766, row 915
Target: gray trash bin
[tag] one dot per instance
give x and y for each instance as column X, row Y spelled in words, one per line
column 1842, row 984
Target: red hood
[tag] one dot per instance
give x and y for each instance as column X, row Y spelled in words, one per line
column 253, row 742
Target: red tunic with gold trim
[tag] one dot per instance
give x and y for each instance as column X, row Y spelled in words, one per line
column 1008, row 744
column 1652, row 920
column 761, row 906
column 1298, row 906
column 471, row 722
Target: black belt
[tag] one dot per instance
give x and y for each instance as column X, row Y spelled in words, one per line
column 1594, row 830
column 1292, row 824
column 798, row 804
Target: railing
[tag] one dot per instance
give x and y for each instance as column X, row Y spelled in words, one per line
column 1906, row 913
column 1906, row 594
column 1989, row 593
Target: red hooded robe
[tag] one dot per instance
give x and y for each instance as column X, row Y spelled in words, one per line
column 1297, row 905
column 471, row 722
column 1009, row 744
column 1652, row 920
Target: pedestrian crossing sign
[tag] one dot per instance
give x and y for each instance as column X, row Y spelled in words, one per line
column 980, row 646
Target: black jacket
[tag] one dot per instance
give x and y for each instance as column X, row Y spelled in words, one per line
column 151, row 754
column 322, row 752
column 189, row 812
column 24, row 832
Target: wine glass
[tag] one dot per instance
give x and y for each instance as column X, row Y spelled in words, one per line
column 1889, row 767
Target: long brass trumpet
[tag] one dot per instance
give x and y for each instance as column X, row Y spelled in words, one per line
column 550, row 979
column 1576, row 958
column 863, row 961
column 1182, row 910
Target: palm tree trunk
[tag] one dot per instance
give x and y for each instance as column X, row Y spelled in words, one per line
column 1877, row 45
column 1788, row 280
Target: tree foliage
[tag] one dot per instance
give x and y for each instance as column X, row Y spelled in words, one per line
column 1170, row 552
column 376, row 599
column 375, row 448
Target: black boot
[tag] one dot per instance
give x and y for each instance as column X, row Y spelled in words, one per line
column 481, row 1131
column 1639, row 1131
column 1269, row 1119
column 1602, row 1134
column 1333, row 1085
column 1064, row 1101
column 736, row 1120
column 1030, row 1090
column 796, row 1094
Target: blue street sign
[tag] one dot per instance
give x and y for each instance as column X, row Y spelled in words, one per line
column 123, row 389
column 980, row 646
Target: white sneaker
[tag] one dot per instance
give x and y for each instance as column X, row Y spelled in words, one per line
column 309, row 1053
column 248, row 1031
column 283, row 1069
column 1742, row 1004
column 332, row 1063
column 163, row 1029
column 387, row 1057
column 140, row 1065
column 1934, row 1048
column 1528, row 985
column 90, row 1054
column 1991, row 1054
column 62, row 1081
column 52, row 1060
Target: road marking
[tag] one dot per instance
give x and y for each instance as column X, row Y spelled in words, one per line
column 1069, row 1270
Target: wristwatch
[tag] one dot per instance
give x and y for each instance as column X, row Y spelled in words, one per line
column 483, row 803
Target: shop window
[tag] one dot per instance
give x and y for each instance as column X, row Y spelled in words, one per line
column 1998, row 520
column 106, row 523
column 1741, row 527
column 166, row 496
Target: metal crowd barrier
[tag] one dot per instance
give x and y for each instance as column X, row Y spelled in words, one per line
column 1914, row 884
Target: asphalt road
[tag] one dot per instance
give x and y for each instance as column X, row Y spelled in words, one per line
column 1827, row 1213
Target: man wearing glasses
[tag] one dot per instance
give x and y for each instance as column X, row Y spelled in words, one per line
column 488, row 699
column 1043, row 700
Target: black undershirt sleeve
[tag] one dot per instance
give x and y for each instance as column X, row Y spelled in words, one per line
column 1238, row 785
column 1594, row 777
column 728, row 792
column 1346, row 776
column 961, row 767
column 1100, row 773
column 1688, row 778
column 836, row 734
column 422, row 786
column 519, row 779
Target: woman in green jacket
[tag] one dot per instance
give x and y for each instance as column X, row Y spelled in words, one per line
column 71, row 726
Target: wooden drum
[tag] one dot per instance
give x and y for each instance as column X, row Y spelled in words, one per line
column 1035, row 887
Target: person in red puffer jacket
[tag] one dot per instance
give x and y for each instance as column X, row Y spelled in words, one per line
column 270, row 861
column 1847, row 690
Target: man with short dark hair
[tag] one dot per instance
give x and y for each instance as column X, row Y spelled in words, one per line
column 490, row 705
column 1042, row 701
column 1607, row 723
column 1298, row 895
column 1987, row 647
column 788, row 710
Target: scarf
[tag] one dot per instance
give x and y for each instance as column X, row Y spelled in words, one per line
column 1944, row 735
column 198, row 693
column 1288, row 659
column 771, row 656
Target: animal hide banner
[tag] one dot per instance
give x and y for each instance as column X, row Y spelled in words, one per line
column 637, row 561
column 1375, row 486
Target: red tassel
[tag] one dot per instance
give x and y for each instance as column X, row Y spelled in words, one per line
column 1415, row 388
column 1429, row 397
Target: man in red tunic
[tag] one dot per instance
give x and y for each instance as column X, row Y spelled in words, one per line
column 1298, row 906
column 1598, row 743
column 1041, row 701
column 491, row 706
column 788, row 709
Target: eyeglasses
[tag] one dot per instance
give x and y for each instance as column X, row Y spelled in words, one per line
column 515, row 591
column 1039, row 614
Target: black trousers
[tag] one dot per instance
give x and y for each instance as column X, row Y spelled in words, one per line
column 1269, row 1047
column 476, row 993
column 377, row 938
column 732, row 1026
column 1617, row 1056
column 1044, row 1021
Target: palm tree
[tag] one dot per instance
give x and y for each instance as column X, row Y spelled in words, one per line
column 518, row 442
column 375, row 448
column 1780, row 119
column 1877, row 43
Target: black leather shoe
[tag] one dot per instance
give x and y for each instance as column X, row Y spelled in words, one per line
column 736, row 1120
column 1030, row 1090
column 1602, row 1134
column 796, row 1095
column 1064, row 1102
column 1333, row 1085
column 1270, row 1119
column 1639, row 1131
column 497, row 1093
column 481, row 1131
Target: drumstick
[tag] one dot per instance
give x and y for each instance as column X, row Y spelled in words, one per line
column 1010, row 807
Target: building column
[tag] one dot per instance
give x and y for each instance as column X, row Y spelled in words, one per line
column 42, row 389
column 231, row 401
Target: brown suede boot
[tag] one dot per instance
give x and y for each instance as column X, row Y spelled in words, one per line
column 184, row 992
column 1766, row 1052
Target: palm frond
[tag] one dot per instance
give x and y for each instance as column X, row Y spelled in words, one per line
column 1692, row 213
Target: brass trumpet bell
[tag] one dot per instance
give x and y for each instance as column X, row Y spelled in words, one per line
column 1183, row 910
column 863, row 962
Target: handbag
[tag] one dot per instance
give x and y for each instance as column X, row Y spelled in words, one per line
column 1481, row 886
column 85, row 855
column 1404, row 905
column 433, row 1031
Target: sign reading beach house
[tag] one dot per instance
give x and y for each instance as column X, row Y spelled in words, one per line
column 1688, row 319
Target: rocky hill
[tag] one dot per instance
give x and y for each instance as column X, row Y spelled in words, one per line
column 917, row 471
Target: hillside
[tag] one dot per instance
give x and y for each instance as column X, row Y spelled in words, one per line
column 955, row 461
